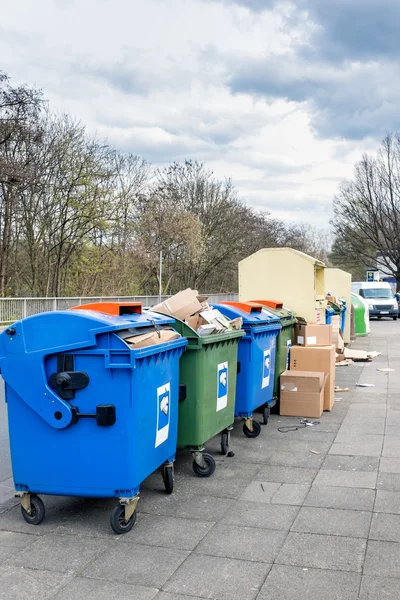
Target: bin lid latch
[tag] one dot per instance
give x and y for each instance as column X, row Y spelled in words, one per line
column 66, row 381
column 105, row 415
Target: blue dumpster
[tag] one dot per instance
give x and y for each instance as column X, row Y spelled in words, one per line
column 329, row 314
column 343, row 315
column 89, row 414
column 256, row 356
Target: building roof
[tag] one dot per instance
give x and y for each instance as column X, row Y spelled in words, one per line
column 315, row 261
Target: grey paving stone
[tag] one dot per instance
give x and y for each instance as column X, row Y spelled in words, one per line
column 389, row 465
column 169, row 532
column 373, row 588
column 287, row 474
column 340, row 497
column 16, row 540
column 367, row 410
column 204, row 508
column 218, row 578
column 295, row 583
column 12, row 520
column 385, row 527
column 82, row 588
column 168, row 596
column 265, row 516
column 92, row 522
column 388, row 481
column 391, row 447
column 387, row 502
column 331, row 521
column 60, row 553
column 8, row 551
column 245, row 543
column 382, row 559
column 17, row 583
column 142, row 565
column 360, row 448
column 290, row 493
column 322, row 552
column 296, row 459
column 354, row 479
column 361, row 425
column 350, row 463
column 260, row 491
column 230, row 480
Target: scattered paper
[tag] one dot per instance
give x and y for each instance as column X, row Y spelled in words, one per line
column 365, row 384
column 345, row 363
column 386, row 370
column 339, row 389
column 360, row 355
column 315, row 452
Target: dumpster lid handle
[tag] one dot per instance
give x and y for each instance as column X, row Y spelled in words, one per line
column 116, row 309
column 271, row 303
column 247, row 307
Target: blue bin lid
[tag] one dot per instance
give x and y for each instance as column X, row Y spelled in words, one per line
column 252, row 313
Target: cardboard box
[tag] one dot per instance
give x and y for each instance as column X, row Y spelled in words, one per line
column 182, row 305
column 337, row 337
column 193, row 321
column 320, row 359
column 152, row 338
column 302, row 393
column 313, row 335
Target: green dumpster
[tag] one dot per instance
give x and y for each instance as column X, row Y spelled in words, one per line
column 283, row 344
column 360, row 316
column 207, row 378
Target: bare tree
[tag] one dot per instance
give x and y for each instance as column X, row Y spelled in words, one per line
column 367, row 210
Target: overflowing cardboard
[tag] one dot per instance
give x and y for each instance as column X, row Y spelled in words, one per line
column 194, row 310
column 360, row 355
column 317, row 359
column 313, row 335
column 302, row 393
column 152, row 338
column 182, row 305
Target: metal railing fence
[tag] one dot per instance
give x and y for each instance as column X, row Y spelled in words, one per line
column 14, row 309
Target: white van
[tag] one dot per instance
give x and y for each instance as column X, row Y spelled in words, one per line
column 379, row 297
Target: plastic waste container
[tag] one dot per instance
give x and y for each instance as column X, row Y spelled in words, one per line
column 360, row 315
column 284, row 341
column 330, row 312
column 89, row 415
column 257, row 354
column 207, row 378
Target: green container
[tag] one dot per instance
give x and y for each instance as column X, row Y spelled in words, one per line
column 206, row 411
column 359, row 315
column 283, row 343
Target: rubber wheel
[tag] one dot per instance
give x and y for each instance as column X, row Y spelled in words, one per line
column 37, row 511
column 394, row 318
column 117, row 521
column 256, row 430
column 168, row 478
column 266, row 413
column 379, row 317
column 224, row 443
column 208, row 470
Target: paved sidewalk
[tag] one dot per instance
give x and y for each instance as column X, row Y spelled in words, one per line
column 311, row 514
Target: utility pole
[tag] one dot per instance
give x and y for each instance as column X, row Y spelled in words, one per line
column 160, row 279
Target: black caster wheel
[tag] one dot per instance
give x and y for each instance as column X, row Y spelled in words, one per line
column 117, row 520
column 224, row 443
column 394, row 318
column 168, row 479
column 206, row 471
column 256, row 430
column 37, row 511
column 266, row 413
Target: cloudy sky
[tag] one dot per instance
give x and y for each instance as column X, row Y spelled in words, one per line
column 281, row 96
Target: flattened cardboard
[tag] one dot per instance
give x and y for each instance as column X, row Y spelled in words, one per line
column 302, row 393
column 182, row 305
column 319, row 359
column 313, row 335
column 152, row 338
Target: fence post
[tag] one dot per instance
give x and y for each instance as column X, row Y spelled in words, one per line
column 24, row 309
column 54, row 303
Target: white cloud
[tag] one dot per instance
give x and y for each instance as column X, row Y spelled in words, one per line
column 147, row 75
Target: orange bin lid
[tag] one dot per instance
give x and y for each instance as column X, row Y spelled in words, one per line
column 247, row 307
column 112, row 308
column 271, row 303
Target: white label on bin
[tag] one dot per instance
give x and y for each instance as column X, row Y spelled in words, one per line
column 222, row 386
column 288, row 346
column 163, row 413
column 311, row 339
column 266, row 371
column 300, row 340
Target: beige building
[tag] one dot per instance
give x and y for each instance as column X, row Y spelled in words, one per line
column 288, row 276
column 338, row 282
